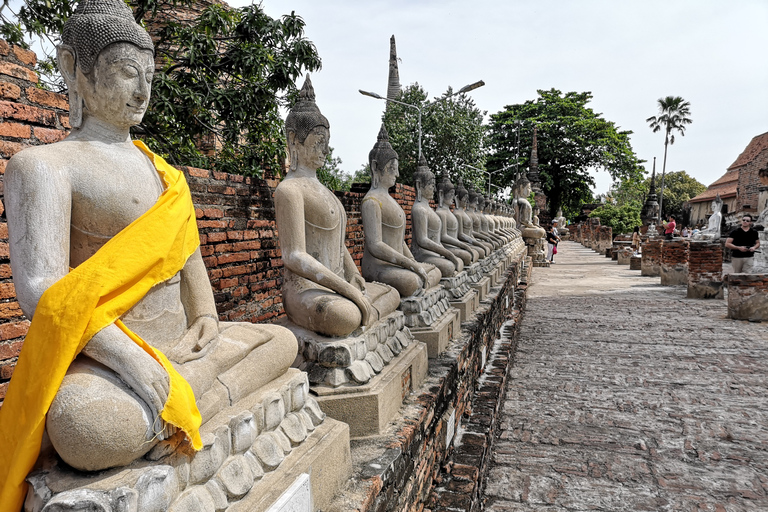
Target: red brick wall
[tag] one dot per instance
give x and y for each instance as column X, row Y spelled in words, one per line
column 651, row 251
column 749, row 183
column 705, row 262
column 674, row 252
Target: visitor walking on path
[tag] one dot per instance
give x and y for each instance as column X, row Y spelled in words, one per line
column 552, row 239
column 743, row 242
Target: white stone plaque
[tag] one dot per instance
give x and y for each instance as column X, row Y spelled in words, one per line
column 450, row 426
column 297, row 498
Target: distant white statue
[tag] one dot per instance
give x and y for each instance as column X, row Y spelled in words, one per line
column 712, row 231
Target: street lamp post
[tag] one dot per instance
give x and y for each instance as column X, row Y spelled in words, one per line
column 466, row 88
column 483, row 171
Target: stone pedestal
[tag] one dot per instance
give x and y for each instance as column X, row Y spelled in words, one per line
column 440, row 333
column 461, row 294
column 748, row 297
column 674, row 262
column 651, row 258
column 369, row 408
column 705, row 270
column 482, row 287
column 352, row 360
column 431, row 319
column 761, row 257
column 252, row 452
column 624, row 254
column 466, row 305
column 635, row 263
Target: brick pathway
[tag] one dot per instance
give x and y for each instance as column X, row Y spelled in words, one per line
column 625, row 395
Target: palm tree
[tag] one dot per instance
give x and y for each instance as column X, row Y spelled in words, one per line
column 673, row 115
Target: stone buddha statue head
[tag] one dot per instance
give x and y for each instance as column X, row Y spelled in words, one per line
column 462, row 196
column 383, row 161
column 522, row 187
column 424, row 180
column 445, row 192
column 101, row 41
column 307, row 131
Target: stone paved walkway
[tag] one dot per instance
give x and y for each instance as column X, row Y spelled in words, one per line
column 625, row 395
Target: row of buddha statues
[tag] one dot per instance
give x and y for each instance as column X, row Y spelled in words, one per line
column 126, row 362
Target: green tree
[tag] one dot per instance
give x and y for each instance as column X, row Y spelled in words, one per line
column 621, row 219
column 673, row 116
column 452, row 134
column 220, row 83
column 681, row 187
column 572, row 139
column 331, row 175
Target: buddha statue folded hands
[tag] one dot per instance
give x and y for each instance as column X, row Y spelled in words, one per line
column 125, row 350
column 387, row 257
column 323, row 290
column 450, row 225
column 426, row 245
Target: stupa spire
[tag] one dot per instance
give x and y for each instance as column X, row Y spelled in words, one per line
column 393, row 85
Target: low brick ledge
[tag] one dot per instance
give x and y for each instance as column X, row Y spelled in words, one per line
column 409, row 468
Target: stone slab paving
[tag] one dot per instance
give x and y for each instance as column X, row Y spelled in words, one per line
column 625, row 395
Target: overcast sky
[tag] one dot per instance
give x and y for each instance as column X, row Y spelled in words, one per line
column 627, row 53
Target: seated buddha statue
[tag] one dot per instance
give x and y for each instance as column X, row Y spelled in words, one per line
column 450, row 224
column 322, row 289
column 712, row 231
column 477, row 222
column 386, row 257
column 125, row 347
column 466, row 231
column 487, row 224
column 426, row 244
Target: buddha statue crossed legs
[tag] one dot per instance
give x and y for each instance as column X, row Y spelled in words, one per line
column 70, row 201
column 427, row 246
column 450, row 224
column 322, row 289
column 387, row 258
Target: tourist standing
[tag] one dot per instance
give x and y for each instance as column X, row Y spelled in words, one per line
column 743, row 242
column 552, row 240
column 669, row 228
column 636, row 239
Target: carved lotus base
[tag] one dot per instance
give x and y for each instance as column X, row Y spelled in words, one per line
column 368, row 408
column 251, row 452
column 424, row 310
column 457, row 286
column 353, row 360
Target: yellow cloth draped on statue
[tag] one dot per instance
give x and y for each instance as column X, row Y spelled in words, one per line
column 150, row 250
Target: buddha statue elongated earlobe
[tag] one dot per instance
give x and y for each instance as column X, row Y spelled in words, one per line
column 65, row 57
column 374, row 175
column 293, row 154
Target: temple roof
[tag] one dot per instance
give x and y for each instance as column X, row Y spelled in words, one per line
column 754, row 148
column 726, row 186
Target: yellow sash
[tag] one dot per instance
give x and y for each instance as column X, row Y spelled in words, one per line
column 150, row 250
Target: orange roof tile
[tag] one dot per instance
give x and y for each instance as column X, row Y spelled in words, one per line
column 727, row 190
column 754, row 148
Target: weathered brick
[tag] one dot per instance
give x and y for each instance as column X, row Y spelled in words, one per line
column 16, row 71
column 47, row 98
column 27, row 57
column 11, row 349
column 16, row 130
column 9, row 91
column 8, row 148
column 28, row 113
column 13, row 330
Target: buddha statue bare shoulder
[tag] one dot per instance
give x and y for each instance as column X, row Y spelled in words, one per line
column 69, row 200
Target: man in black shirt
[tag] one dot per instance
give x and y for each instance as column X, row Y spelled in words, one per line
column 743, row 243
